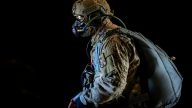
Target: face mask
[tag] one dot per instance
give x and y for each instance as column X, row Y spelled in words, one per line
column 80, row 29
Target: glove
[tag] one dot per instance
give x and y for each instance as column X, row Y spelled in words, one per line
column 76, row 103
column 72, row 104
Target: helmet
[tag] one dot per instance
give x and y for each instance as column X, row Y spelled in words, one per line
column 86, row 7
column 89, row 14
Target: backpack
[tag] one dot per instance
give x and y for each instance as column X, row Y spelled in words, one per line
column 164, row 81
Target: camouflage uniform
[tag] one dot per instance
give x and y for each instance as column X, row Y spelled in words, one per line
column 113, row 80
column 115, row 62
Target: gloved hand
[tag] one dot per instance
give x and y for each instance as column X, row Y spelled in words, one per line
column 72, row 104
column 76, row 102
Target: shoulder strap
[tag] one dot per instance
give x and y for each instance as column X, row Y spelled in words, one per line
column 110, row 33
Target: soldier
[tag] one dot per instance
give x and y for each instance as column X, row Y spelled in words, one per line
column 110, row 80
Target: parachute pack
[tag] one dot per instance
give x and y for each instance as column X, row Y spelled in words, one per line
column 164, row 82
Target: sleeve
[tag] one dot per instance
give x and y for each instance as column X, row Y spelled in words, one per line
column 110, row 82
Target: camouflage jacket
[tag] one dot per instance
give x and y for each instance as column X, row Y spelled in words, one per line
column 115, row 62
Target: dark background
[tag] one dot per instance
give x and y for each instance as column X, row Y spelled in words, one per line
column 41, row 61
